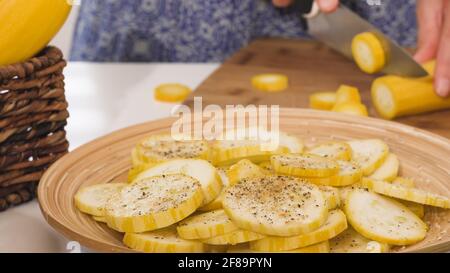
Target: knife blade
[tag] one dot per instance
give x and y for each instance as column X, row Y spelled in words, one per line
column 338, row 28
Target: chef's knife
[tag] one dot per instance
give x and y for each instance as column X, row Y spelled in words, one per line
column 338, row 28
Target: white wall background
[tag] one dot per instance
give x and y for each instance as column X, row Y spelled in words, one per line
column 63, row 39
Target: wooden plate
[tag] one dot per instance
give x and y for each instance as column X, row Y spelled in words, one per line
column 423, row 156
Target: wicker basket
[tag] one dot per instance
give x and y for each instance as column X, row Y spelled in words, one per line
column 33, row 113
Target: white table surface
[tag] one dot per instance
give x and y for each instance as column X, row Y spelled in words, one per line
column 102, row 98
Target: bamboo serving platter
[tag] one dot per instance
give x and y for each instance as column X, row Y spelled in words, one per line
column 423, row 155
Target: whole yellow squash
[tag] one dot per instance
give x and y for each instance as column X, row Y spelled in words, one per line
column 26, row 26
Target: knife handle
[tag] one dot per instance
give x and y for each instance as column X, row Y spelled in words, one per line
column 303, row 6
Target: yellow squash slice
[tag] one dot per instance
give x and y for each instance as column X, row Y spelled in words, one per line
column 368, row 52
column 417, row 208
column 356, row 109
column 331, row 195
column 351, row 241
column 267, row 167
column 332, row 150
column 206, row 225
column 92, row 199
column 347, row 94
column 349, row 173
column 408, row 194
column 172, row 92
column 242, row 170
column 270, row 82
column 369, row 154
column 304, row 165
column 388, row 171
column 234, row 238
column 164, row 147
column 322, row 100
column 253, row 148
column 217, row 202
column 383, row 219
column 276, row 205
column 335, row 224
column 101, row 219
column 162, row 241
column 405, row 182
column 199, row 169
column 153, row 203
column 322, row 247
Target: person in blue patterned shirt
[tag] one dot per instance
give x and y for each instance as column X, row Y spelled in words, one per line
column 211, row 30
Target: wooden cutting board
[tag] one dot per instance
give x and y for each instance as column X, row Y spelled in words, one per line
column 310, row 66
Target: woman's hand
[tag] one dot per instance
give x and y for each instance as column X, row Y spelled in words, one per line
column 434, row 40
column 324, row 5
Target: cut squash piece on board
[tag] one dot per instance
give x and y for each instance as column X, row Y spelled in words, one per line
column 206, row 225
column 369, row 154
column 383, row 219
column 304, row 165
column 332, row 150
column 322, row 247
column 322, row 100
column 335, row 224
column 408, row 194
column 201, row 170
column 242, row 170
column 172, row 92
column 347, row 94
column 233, row 238
column 92, row 199
column 356, row 109
column 388, row 171
column 270, row 82
column 254, row 145
column 164, row 147
column 153, row 203
column 276, row 205
column 162, row 241
column 394, row 96
column 331, row 195
column 350, row 241
column 368, row 52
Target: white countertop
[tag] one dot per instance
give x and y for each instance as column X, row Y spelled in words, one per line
column 102, row 98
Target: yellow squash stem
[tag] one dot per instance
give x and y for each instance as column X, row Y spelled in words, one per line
column 395, row 96
column 368, row 52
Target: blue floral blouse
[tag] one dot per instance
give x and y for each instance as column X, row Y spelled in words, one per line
column 206, row 30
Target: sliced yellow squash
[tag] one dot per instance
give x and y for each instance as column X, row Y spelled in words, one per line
column 408, row 194
column 199, row 169
column 92, row 199
column 332, row 150
column 331, row 195
column 206, row 225
column 347, row 94
column 322, row 247
column 350, row 241
column 243, row 169
column 349, row 173
column 335, row 224
column 368, row 52
column 233, row 238
column 100, row 219
column 276, row 205
column 383, row 219
column 388, row 171
column 171, row 92
column 153, row 203
column 369, row 154
column 405, row 182
column 304, row 165
column 162, row 241
column 270, row 82
column 322, row 100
